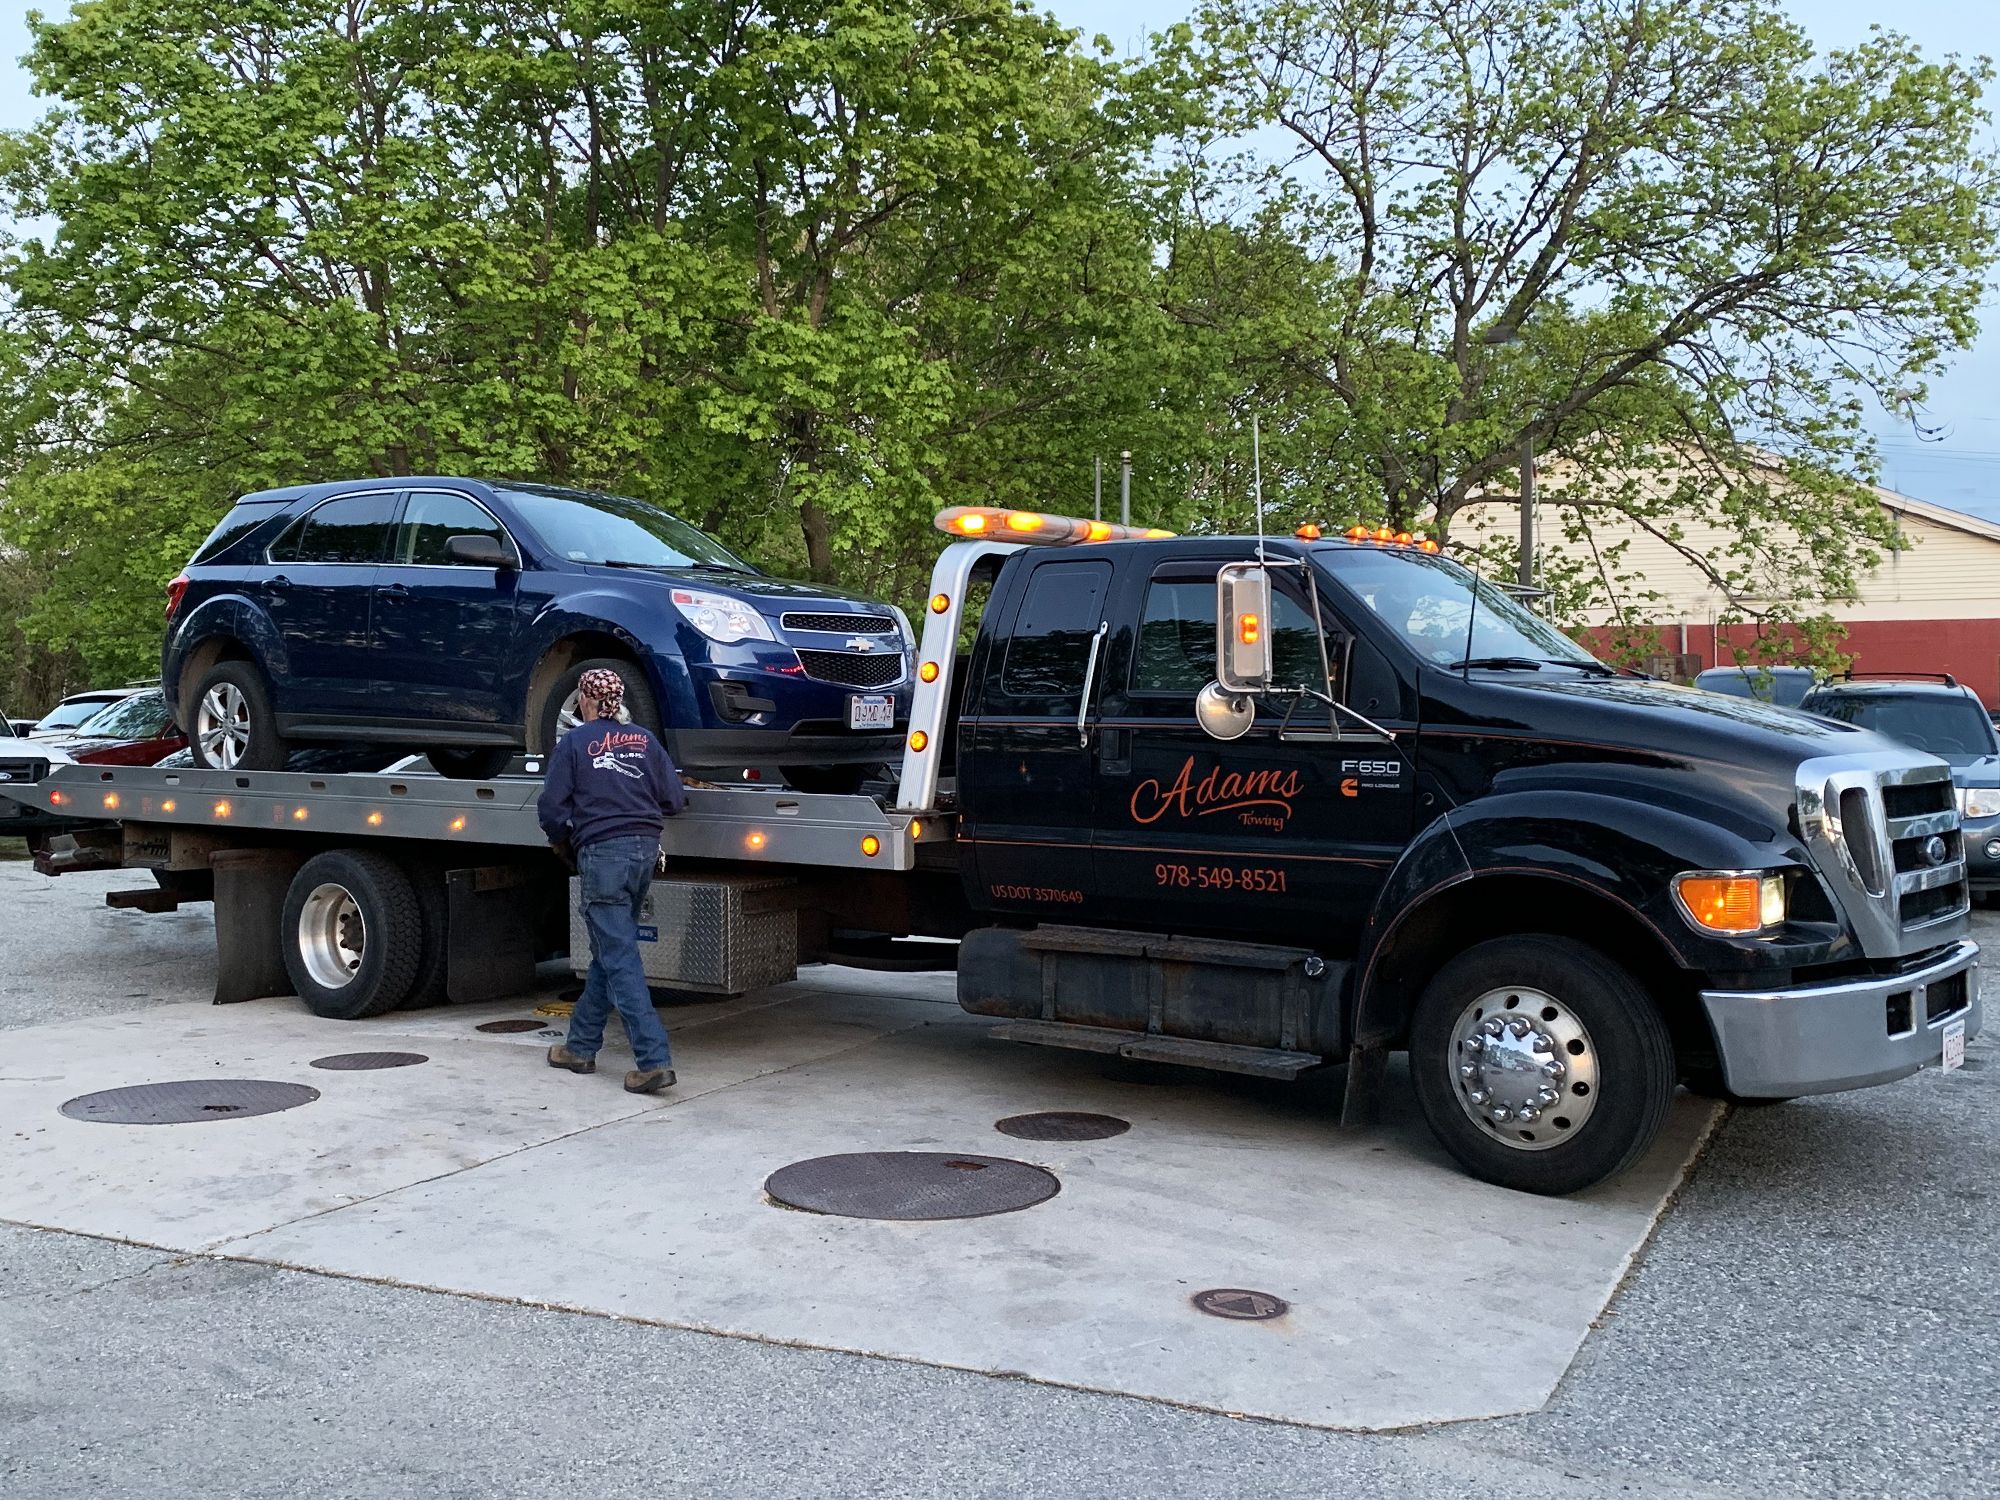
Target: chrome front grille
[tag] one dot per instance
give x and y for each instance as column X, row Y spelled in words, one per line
column 1883, row 829
column 846, row 624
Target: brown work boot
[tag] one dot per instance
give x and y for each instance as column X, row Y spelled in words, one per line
column 561, row 1057
column 654, row 1082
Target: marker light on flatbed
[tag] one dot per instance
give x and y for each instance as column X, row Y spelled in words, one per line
column 1035, row 526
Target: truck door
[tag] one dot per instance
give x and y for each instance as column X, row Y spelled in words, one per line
column 1283, row 835
column 1027, row 830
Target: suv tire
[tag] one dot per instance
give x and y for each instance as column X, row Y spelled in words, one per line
column 231, row 726
column 352, row 934
column 640, row 706
column 1558, row 1003
column 474, row 764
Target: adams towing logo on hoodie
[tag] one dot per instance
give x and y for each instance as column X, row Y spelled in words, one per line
column 622, row 751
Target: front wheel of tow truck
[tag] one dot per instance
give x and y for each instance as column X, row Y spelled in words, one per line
column 1540, row 1064
column 352, row 934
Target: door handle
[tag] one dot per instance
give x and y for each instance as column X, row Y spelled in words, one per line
column 1114, row 751
column 278, row 581
column 1089, row 681
column 393, row 590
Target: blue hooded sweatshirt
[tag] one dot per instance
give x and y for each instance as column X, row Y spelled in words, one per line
column 608, row 780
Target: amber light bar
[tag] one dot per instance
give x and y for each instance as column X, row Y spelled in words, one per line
column 1035, row 527
column 1388, row 536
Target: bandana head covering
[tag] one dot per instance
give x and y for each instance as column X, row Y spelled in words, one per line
column 606, row 687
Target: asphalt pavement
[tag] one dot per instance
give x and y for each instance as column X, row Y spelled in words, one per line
column 1814, row 1316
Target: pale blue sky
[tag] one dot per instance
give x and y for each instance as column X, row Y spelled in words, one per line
column 1962, row 469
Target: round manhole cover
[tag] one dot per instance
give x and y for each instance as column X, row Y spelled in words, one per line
column 911, row 1185
column 512, row 1023
column 1240, row 1303
column 360, row 1062
column 190, row 1102
column 1062, row 1125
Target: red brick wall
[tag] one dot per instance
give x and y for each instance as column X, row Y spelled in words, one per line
column 1968, row 649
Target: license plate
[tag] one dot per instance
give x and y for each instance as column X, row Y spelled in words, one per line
column 871, row 711
column 1954, row 1046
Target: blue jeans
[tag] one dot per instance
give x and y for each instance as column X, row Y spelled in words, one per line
column 615, row 875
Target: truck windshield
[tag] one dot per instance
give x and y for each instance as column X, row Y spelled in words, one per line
column 584, row 526
column 1429, row 602
column 1941, row 724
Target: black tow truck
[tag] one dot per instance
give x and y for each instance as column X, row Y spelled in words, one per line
column 1260, row 807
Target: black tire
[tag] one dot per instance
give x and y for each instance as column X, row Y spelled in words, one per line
column 640, row 706
column 237, row 684
column 834, row 781
column 390, row 929
column 476, row 764
column 433, row 909
column 1628, row 1051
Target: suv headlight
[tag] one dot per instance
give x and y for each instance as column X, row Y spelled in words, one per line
column 1732, row 902
column 1979, row 801
column 909, row 632
column 721, row 617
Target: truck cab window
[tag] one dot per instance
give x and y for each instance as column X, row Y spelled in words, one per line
column 1177, row 640
column 1050, row 644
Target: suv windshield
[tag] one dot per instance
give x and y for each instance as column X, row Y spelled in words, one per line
column 143, row 716
column 586, row 527
column 1942, row 724
column 1429, row 603
column 69, row 715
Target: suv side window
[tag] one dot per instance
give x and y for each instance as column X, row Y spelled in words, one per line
column 352, row 529
column 231, row 529
column 1176, row 651
column 433, row 517
column 1050, row 643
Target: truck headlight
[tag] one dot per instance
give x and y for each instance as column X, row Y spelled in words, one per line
column 721, row 618
column 1979, row 801
column 1731, row 902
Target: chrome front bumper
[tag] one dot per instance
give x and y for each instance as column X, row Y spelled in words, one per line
column 1819, row 1039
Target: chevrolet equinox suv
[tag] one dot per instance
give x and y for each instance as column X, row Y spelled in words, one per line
column 455, row 616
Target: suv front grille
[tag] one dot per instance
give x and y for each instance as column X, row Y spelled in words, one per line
column 846, row 624
column 861, row 669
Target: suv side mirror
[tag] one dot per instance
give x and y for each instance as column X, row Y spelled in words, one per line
column 478, row 552
column 1242, row 627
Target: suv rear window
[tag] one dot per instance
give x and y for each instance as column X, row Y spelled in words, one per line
column 231, row 529
column 351, row 529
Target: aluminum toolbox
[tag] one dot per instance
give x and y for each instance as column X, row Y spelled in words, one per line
column 722, row 935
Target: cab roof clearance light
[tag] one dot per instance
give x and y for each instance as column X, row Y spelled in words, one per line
column 1037, row 527
column 1387, row 536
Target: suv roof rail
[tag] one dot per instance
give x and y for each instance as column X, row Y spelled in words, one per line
column 1944, row 677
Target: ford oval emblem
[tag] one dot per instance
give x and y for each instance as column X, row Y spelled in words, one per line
column 1935, row 849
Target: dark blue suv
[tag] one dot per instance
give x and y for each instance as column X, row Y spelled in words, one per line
column 456, row 615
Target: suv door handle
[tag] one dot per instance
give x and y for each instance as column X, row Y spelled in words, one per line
column 393, row 590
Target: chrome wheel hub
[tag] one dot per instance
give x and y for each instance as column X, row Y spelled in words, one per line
column 332, row 936
column 1523, row 1068
column 222, row 725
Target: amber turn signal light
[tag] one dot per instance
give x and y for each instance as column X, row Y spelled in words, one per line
column 1717, row 901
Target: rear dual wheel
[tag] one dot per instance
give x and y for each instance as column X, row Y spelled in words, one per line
column 353, row 934
column 1540, row 1064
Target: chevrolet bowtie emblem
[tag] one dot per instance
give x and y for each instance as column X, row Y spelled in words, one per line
column 860, row 643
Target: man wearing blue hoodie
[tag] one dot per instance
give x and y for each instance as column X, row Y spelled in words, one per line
column 607, row 794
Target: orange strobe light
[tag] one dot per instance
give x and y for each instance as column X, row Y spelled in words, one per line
column 1039, row 527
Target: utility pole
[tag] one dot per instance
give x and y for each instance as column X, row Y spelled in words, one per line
column 1125, row 488
column 1528, row 512
column 1097, row 489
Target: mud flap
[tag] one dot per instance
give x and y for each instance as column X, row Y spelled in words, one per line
column 250, row 886
column 490, row 922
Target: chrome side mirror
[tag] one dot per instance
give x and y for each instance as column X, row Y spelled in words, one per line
column 1222, row 714
column 1242, row 627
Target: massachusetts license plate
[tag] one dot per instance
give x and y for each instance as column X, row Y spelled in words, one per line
column 1954, row 1046
column 871, row 711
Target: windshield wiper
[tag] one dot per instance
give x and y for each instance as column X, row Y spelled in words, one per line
column 665, row 567
column 1501, row 663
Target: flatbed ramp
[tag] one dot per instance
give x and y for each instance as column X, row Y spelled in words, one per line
column 1413, row 1293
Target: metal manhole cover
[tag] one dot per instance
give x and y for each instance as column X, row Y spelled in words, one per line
column 357, row 1062
column 911, row 1185
column 190, row 1102
column 1062, row 1125
column 512, row 1023
column 1240, row 1303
